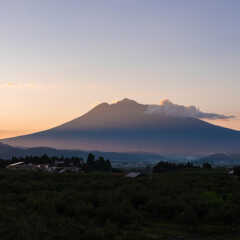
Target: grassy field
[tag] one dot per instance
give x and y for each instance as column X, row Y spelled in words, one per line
column 184, row 204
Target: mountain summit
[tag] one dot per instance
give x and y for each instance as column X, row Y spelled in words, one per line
column 127, row 126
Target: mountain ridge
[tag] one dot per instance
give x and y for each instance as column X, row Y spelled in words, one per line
column 126, row 126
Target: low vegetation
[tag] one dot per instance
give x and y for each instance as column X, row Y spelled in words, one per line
column 188, row 203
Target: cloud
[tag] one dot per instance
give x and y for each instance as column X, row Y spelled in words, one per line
column 7, row 84
column 170, row 109
column 16, row 85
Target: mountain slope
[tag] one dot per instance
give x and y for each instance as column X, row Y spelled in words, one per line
column 220, row 159
column 127, row 127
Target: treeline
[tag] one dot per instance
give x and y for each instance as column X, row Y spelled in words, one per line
column 168, row 166
column 99, row 164
column 89, row 165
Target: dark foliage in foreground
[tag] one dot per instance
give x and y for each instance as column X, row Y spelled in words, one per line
column 190, row 202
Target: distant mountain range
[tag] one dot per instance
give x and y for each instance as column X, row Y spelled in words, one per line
column 7, row 152
column 127, row 126
column 221, row 159
column 117, row 159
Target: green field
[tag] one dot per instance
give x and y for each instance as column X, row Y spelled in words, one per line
column 184, row 204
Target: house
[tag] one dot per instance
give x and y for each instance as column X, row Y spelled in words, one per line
column 59, row 163
column 62, row 170
column 57, row 167
column 16, row 165
column 133, row 174
column 42, row 166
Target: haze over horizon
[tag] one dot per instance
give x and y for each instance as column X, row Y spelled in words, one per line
column 60, row 60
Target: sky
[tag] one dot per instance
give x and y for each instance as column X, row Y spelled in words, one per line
column 61, row 58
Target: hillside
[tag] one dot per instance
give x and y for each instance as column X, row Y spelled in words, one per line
column 127, row 126
column 221, row 159
column 7, row 152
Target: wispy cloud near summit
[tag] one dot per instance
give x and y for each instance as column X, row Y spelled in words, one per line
column 170, row 109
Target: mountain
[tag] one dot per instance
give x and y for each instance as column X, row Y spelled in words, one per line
column 220, row 159
column 127, row 126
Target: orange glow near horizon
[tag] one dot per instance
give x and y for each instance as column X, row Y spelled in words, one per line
column 232, row 124
column 9, row 134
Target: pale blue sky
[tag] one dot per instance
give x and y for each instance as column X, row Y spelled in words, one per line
column 61, row 57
